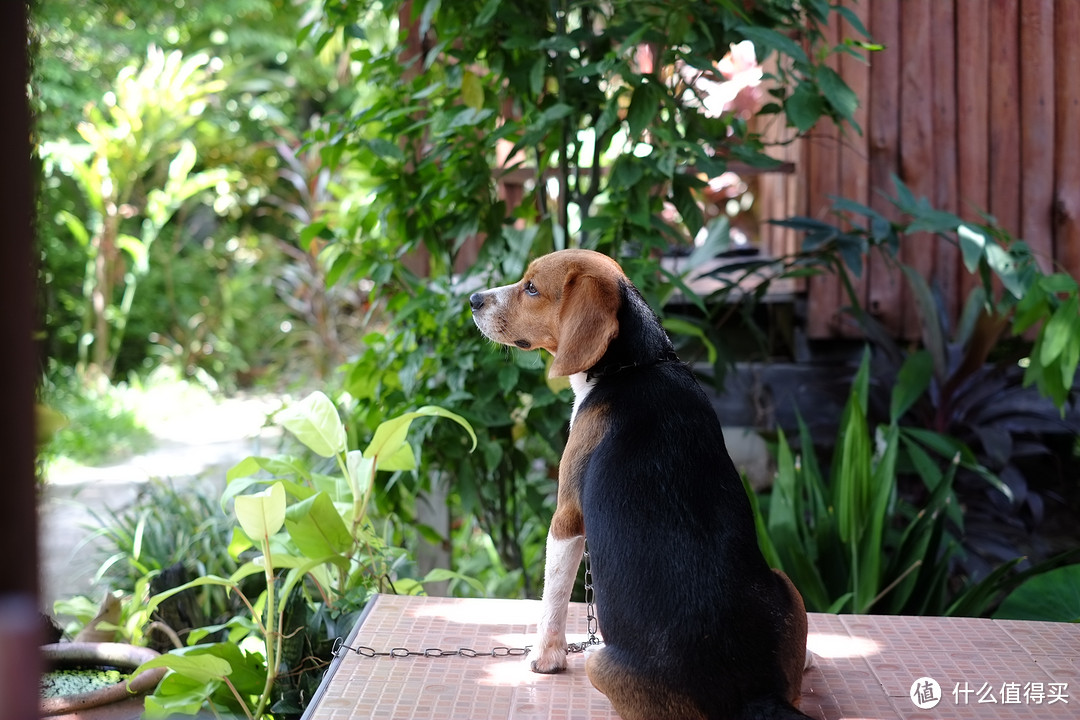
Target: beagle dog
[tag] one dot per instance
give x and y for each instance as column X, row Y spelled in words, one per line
column 695, row 623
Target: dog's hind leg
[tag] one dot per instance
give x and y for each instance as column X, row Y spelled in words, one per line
column 634, row 696
column 793, row 655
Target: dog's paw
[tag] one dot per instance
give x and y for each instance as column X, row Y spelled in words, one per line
column 809, row 661
column 548, row 660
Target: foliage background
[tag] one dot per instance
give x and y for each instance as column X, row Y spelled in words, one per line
column 357, row 164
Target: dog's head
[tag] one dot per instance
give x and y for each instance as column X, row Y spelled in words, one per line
column 567, row 303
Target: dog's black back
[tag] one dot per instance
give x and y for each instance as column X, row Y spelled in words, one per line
column 664, row 507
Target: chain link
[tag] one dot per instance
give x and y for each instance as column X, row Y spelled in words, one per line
column 592, row 627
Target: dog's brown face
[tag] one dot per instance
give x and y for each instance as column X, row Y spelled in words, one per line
column 567, row 303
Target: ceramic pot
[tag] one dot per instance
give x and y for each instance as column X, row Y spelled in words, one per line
column 122, row 701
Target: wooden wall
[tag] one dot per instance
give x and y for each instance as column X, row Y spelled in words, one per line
column 975, row 105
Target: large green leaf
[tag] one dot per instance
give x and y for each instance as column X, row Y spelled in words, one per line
column 262, row 514
column 315, row 422
column 803, row 108
column 972, row 245
column 385, row 447
column 316, row 527
column 911, row 382
column 1053, row 596
column 837, row 92
column 176, row 695
column 200, row 668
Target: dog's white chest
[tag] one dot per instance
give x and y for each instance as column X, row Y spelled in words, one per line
column 582, row 386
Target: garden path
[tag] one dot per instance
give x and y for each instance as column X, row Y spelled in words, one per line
column 195, row 443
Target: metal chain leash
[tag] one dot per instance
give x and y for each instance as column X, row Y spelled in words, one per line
column 399, row 652
column 590, row 613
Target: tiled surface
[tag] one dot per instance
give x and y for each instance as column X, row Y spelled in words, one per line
column 864, row 669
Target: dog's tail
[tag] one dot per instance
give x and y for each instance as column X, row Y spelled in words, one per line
column 771, row 708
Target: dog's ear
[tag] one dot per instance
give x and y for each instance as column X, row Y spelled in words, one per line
column 588, row 322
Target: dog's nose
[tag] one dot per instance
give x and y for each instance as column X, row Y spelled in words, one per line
column 476, row 301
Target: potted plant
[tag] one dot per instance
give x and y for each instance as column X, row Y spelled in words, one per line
column 114, row 696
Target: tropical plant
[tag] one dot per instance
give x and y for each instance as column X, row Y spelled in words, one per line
column 210, row 270
column 135, row 169
column 966, row 383
column 1053, row 596
column 1017, row 293
column 168, row 534
column 317, row 530
column 849, row 539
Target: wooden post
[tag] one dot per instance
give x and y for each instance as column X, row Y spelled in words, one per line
column 916, row 138
column 1004, row 149
column 1067, row 136
column 20, row 634
column 854, row 154
column 883, row 293
column 946, row 255
column 1037, row 128
column 973, row 118
column 822, row 155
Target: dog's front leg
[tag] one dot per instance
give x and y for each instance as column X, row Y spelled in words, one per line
column 560, row 571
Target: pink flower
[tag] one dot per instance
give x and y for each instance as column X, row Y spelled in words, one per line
column 740, row 90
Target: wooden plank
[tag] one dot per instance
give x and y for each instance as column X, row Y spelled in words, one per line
column 1004, row 71
column 1037, row 127
column 824, row 290
column 916, row 137
column 883, row 132
column 947, row 262
column 854, row 153
column 771, row 188
column 973, row 118
column 1067, row 136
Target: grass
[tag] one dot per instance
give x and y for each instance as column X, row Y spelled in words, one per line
column 94, row 422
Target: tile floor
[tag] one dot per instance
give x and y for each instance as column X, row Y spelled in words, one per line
column 865, row 667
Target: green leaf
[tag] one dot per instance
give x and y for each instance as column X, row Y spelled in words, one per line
column 972, row 245
column 75, row 226
column 261, row 515
column 472, row 90
column 390, row 435
column 315, row 422
column 803, row 108
column 1058, row 331
column 487, row 12
column 536, row 75
column 1053, row 596
column 443, row 575
column 911, row 382
column 181, row 165
column 508, row 378
column 316, row 527
column 361, row 471
column 137, row 250
column 200, row 668
column 404, row 458
column 837, row 92
column 644, row 107
column 1004, row 266
column 682, row 326
column 933, row 334
column 178, row 694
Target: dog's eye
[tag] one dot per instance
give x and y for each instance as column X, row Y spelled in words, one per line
column 530, row 289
